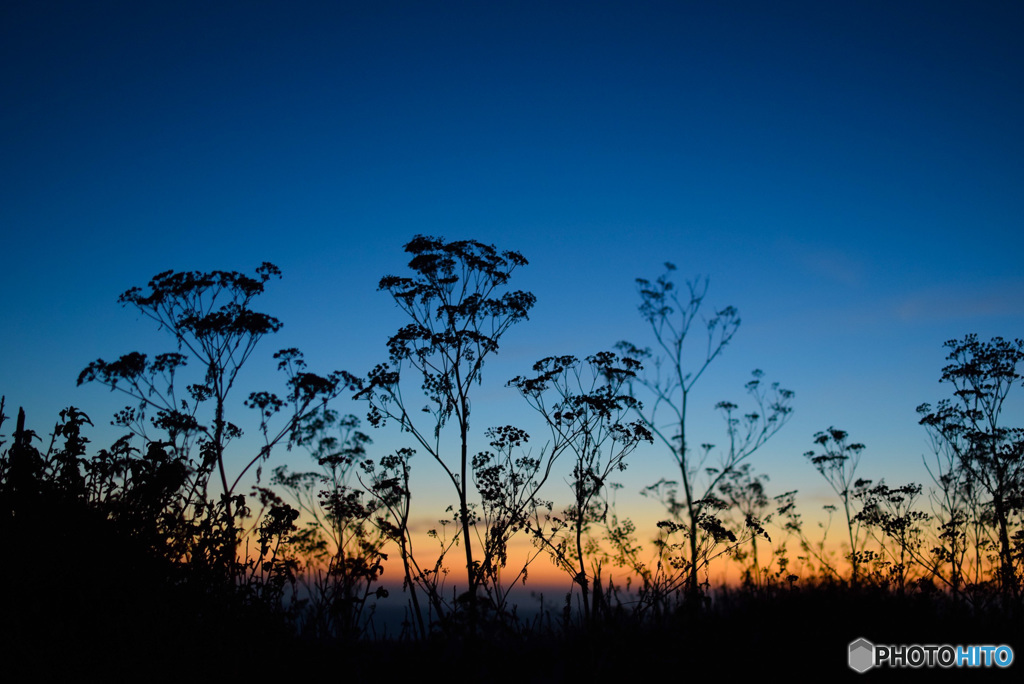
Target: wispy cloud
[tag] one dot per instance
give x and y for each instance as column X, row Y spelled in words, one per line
column 959, row 301
column 828, row 263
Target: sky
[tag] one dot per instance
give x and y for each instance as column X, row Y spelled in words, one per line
column 849, row 176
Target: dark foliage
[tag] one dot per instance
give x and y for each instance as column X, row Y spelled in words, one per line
column 126, row 562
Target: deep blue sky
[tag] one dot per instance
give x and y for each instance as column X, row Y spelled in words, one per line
column 849, row 175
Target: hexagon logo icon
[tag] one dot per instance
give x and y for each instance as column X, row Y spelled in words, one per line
column 862, row 655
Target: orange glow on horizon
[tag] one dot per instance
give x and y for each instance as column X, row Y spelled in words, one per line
column 531, row 571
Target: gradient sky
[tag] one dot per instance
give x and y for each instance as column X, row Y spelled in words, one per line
column 849, row 175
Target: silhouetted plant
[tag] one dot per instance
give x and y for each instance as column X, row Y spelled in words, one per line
column 37, row 482
column 951, row 507
column 816, row 561
column 388, row 483
column 971, row 425
column 693, row 507
column 890, row 511
column 132, row 540
column 104, row 561
column 584, row 407
column 745, row 492
column 508, row 478
column 210, row 318
column 458, row 313
column 786, row 518
column 837, row 463
column 270, row 572
column 340, row 542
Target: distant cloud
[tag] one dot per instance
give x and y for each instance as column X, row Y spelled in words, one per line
column 829, row 263
column 952, row 302
column 837, row 266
